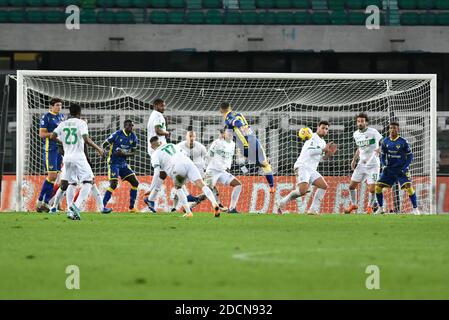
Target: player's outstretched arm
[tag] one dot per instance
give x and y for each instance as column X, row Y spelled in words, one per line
column 329, row 150
column 89, row 142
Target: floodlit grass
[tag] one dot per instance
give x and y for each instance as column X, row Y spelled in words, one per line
column 246, row 256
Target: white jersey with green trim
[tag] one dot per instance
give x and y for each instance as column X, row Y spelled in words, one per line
column 70, row 132
column 167, row 156
column 368, row 142
column 311, row 153
column 156, row 120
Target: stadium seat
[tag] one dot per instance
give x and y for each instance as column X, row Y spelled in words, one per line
column 301, row 17
column 53, row 3
column 377, row 3
column 284, row 17
column 265, row 4
column 89, row 4
column 443, row 19
column 105, row 16
column 195, row 17
column 319, row 5
column 320, row 17
column 212, row 4
column 213, row 17
column 54, row 16
column 35, row 16
column 123, row 3
column 356, row 18
column 125, row 17
column 35, row 3
column 250, row 17
column 158, row 17
column 442, row 4
column 3, row 16
column 425, row 4
column 3, row 3
column 88, row 16
column 66, row 3
column 176, row 3
column 407, row 4
column 194, row 4
column 336, row 4
column 339, row 17
column 247, row 4
column 427, row 19
column 267, row 17
column 409, row 18
column 17, row 3
column 355, row 4
column 105, row 3
column 232, row 17
column 141, row 3
column 159, row 3
column 16, row 16
column 282, row 4
column 176, row 17
column 300, row 4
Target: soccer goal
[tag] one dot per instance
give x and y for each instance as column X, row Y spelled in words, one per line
column 275, row 105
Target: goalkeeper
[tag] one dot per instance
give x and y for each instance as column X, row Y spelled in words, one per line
column 396, row 157
column 247, row 141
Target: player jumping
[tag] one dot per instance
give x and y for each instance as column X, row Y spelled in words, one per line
column 395, row 158
column 169, row 160
column 247, row 141
column 368, row 167
column 120, row 145
column 312, row 152
column 74, row 133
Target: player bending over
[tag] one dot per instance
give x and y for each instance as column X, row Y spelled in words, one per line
column 120, row 145
column 368, row 167
column 156, row 127
column 395, row 159
column 219, row 161
column 312, row 152
column 247, row 141
column 74, row 133
column 167, row 159
column 51, row 156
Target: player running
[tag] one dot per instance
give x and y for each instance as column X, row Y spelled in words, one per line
column 73, row 133
column 121, row 145
column 313, row 151
column 169, row 159
column 51, row 156
column 219, row 157
column 395, row 158
column 156, row 127
column 247, row 141
column 368, row 167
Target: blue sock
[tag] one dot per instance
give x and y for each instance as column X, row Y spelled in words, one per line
column 191, row 198
column 380, row 199
column 132, row 197
column 270, row 179
column 47, row 190
column 414, row 200
column 107, row 196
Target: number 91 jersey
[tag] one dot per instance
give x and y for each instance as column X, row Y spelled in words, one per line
column 71, row 133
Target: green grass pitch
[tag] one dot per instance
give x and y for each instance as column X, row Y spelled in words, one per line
column 247, row 256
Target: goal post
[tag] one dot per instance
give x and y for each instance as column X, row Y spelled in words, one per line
column 275, row 105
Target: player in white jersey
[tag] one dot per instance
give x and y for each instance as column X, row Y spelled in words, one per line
column 312, row 152
column 219, row 157
column 156, row 127
column 194, row 150
column 368, row 167
column 170, row 159
column 73, row 133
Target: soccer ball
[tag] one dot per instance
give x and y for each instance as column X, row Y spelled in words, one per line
column 305, row 133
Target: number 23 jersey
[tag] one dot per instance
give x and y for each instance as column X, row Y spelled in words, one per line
column 71, row 133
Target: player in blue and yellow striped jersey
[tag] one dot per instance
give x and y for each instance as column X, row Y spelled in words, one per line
column 395, row 158
column 120, row 145
column 52, row 157
column 246, row 140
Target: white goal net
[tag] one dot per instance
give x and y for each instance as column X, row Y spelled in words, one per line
column 276, row 107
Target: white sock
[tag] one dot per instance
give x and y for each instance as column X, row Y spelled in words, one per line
column 153, row 195
column 319, row 194
column 209, row 194
column 84, row 194
column 70, row 194
column 353, row 194
column 182, row 198
column 235, row 196
column 371, row 199
column 291, row 196
column 57, row 198
column 97, row 196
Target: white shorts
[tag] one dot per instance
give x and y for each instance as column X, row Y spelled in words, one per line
column 76, row 172
column 362, row 173
column 218, row 176
column 306, row 175
column 185, row 170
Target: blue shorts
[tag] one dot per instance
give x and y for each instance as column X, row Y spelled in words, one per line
column 119, row 170
column 389, row 177
column 254, row 151
column 52, row 160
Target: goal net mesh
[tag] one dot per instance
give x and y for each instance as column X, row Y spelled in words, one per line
column 275, row 109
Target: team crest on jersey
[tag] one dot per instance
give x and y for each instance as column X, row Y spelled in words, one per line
column 51, row 167
column 398, row 146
